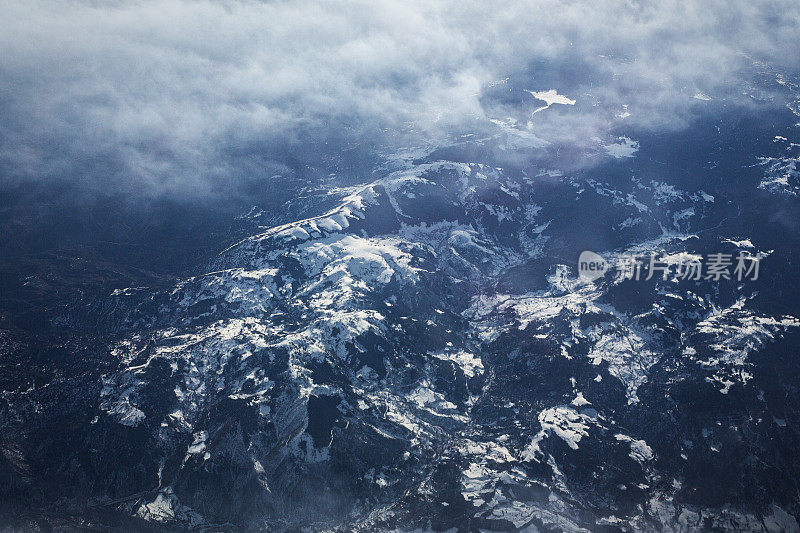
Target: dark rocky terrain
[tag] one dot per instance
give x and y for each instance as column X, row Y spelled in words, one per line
column 415, row 350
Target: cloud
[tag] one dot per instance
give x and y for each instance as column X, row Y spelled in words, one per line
column 192, row 97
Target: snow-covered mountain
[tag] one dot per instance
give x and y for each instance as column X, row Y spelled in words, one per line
column 424, row 356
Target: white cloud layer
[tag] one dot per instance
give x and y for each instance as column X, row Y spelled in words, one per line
column 187, row 96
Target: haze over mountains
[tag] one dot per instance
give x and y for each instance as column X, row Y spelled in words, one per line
column 307, row 267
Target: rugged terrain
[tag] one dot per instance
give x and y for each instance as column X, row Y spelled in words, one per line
column 419, row 353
